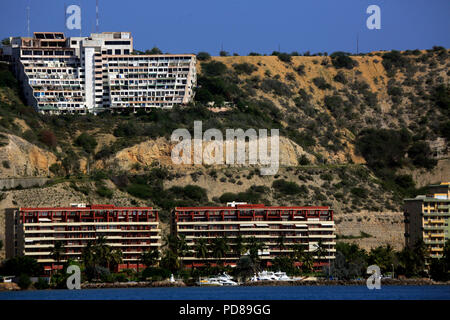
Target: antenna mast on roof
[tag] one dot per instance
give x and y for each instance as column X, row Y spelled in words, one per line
column 96, row 17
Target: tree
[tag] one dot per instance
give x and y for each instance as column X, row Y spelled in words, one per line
column 320, row 251
column 87, row 142
column 154, row 50
column 245, row 268
column 48, row 138
column 57, row 251
column 239, row 246
column 254, row 247
column 219, row 248
column 350, row 261
column 382, row 257
column 201, row 248
column 224, row 53
column 176, row 248
column 150, row 257
column 98, row 254
column 283, row 263
column 24, row 281
column 203, row 56
column 21, row 265
column 307, row 262
column 280, row 242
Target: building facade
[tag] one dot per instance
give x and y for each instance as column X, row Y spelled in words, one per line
column 305, row 226
column 427, row 218
column 97, row 73
column 34, row 231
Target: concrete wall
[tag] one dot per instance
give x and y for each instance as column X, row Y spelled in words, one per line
column 11, row 183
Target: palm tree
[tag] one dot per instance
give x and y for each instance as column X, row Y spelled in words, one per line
column 220, row 247
column 114, row 258
column 320, row 251
column 201, row 248
column 308, row 261
column 305, row 258
column 57, row 251
column 150, row 257
column 176, row 248
column 280, row 242
column 255, row 246
column 239, row 246
column 88, row 254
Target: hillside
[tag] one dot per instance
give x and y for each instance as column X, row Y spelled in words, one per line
column 359, row 133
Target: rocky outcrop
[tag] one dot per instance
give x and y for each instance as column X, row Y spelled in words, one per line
column 19, row 158
column 160, row 150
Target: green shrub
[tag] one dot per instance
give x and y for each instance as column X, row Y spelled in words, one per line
column 303, row 160
column 275, row 86
column 340, row 77
column 394, row 60
column 142, row 191
column 288, row 187
column 244, row 68
column 24, row 281
column 103, row 191
column 321, row 83
column 359, row 192
column 41, row 284
column 420, row 154
column 6, row 164
column 86, row 141
column 393, row 143
column 284, row 57
column 300, row 70
column 203, row 56
column 342, row 60
column 213, row 68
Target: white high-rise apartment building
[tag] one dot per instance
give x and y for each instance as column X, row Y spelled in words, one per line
column 97, row 73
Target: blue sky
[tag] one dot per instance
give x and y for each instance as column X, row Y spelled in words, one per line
column 242, row 26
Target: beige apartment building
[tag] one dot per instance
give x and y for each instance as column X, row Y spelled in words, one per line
column 306, row 226
column 34, row 231
column 98, row 73
column 427, row 218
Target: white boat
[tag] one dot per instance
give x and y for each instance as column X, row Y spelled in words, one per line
column 282, row 276
column 210, row 282
column 267, row 276
column 220, row 280
column 226, row 280
column 271, row 276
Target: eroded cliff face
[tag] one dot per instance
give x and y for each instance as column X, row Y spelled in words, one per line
column 19, row 158
column 160, row 150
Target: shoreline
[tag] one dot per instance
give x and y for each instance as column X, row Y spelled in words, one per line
column 4, row 287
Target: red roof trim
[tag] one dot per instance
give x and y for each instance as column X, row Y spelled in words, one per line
column 246, row 207
column 87, row 208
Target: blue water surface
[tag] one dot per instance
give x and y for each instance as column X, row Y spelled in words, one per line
column 240, row 293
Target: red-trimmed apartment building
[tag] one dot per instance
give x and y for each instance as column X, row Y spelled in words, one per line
column 296, row 225
column 130, row 229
